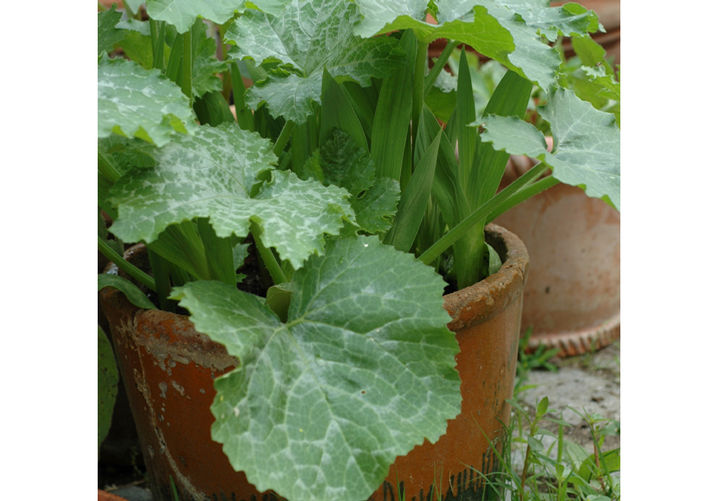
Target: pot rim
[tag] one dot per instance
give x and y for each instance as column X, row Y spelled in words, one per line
column 478, row 302
column 469, row 306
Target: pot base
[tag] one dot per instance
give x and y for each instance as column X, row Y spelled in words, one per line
column 581, row 341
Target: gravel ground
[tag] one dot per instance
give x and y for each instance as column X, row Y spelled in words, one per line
column 585, row 384
column 588, row 384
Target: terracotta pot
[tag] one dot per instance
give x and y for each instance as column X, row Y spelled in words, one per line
column 572, row 298
column 106, row 496
column 168, row 370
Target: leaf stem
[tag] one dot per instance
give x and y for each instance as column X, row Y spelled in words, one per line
column 124, row 265
column 271, row 263
column 159, row 267
column 418, row 96
column 187, row 64
column 283, row 138
column 522, row 195
column 243, row 113
column 478, row 215
column 107, row 168
column 158, row 43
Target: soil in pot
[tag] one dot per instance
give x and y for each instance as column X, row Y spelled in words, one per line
column 168, row 370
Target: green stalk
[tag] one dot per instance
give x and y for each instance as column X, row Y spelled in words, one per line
column 187, row 65
column 124, row 265
column 417, row 102
column 269, row 260
column 158, row 40
column 107, row 168
column 460, row 229
column 438, row 66
column 243, row 113
column 159, row 267
column 283, row 138
column 522, row 195
column 222, row 50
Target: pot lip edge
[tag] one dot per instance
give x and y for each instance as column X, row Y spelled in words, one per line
column 499, row 286
column 512, row 271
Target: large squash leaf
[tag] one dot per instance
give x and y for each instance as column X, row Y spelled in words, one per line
column 361, row 372
column 135, row 102
column 508, row 31
column 183, row 13
column 378, row 13
column 527, row 21
column 308, row 36
column 586, row 144
column 215, row 173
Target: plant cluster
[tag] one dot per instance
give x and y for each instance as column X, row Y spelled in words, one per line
column 305, row 234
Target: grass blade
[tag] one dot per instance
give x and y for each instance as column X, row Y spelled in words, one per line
column 220, row 252
column 393, row 115
column 244, row 115
column 414, row 200
column 510, row 98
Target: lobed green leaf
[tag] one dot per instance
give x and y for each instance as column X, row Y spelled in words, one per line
column 308, row 37
column 183, row 13
column 361, row 372
column 107, row 34
column 586, row 144
column 135, row 102
column 215, row 173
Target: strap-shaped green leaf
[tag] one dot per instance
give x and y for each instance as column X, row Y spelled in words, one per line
column 307, row 37
column 131, row 291
column 135, row 102
column 586, row 144
column 414, row 199
column 183, row 13
column 212, row 174
column 362, row 371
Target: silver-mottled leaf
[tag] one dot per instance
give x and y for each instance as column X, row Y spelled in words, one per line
column 307, row 37
column 378, row 13
column 211, row 174
column 134, row 102
column 586, row 143
column 526, row 20
column 182, row 13
column 362, row 371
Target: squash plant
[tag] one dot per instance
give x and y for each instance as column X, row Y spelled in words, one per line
column 309, row 235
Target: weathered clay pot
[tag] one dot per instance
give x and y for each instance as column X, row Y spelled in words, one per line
column 572, row 298
column 168, row 370
column 107, row 496
column 486, row 321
